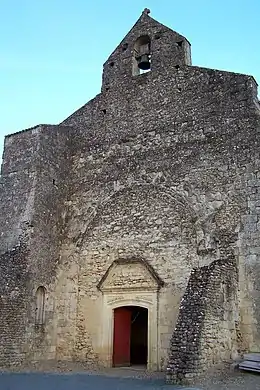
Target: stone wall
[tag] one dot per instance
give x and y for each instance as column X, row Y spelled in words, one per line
column 249, row 256
column 17, row 185
column 13, row 305
column 33, row 190
column 207, row 330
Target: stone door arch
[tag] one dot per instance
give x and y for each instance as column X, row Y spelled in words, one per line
column 130, row 283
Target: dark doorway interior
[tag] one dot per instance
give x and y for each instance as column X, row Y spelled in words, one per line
column 130, row 336
column 138, row 340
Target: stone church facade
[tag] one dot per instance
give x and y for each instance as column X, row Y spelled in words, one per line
column 130, row 231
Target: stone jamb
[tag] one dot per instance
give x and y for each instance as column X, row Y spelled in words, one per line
column 145, row 299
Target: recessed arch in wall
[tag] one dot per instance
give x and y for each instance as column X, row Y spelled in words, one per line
column 40, row 305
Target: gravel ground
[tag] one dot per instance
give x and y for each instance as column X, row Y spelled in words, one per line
column 79, row 377
column 238, row 381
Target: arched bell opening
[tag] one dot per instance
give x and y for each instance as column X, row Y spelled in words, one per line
column 142, row 55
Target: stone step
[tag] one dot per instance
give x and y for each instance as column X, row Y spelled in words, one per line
column 253, row 356
column 251, row 362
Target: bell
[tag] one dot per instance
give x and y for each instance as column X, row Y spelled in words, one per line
column 143, row 62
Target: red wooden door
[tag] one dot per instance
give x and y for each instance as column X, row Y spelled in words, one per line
column 122, row 333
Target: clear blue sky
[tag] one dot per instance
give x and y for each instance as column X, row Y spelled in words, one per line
column 52, row 51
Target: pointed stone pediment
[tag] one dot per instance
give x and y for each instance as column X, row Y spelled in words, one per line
column 144, row 25
column 130, row 275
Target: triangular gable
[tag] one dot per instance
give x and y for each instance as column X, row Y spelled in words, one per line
column 144, row 24
column 133, row 274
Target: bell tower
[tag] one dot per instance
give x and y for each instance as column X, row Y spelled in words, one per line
column 149, row 47
column 142, row 55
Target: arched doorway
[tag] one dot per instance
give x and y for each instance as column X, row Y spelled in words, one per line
column 130, row 346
